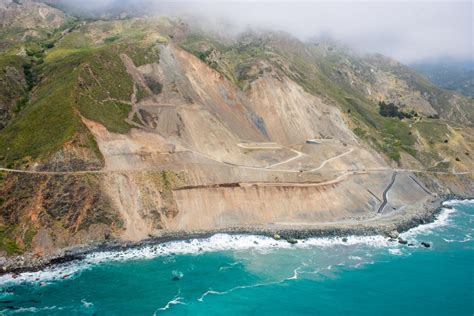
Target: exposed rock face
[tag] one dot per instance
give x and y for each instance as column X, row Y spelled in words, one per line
column 293, row 116
column 46, row 212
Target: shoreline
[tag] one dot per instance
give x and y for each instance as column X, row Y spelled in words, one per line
column 383, row 226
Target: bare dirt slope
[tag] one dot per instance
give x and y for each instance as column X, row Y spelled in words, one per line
column 239, row 159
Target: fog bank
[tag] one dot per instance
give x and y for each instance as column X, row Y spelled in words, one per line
column 409, row 31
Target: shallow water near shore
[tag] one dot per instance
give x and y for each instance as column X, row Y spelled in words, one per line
column 257, row 275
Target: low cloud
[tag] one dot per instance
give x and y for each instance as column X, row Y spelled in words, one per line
column 410, row 31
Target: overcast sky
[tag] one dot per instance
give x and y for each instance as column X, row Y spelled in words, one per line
column 409, row 31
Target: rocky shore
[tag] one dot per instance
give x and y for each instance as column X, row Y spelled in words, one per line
column 388, row 226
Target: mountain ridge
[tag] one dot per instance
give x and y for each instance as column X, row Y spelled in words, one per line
column 143, row 126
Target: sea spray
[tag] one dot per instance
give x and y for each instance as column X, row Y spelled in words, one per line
column 224, row 242
column 326, row 276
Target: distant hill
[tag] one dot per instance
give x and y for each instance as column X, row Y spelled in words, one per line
column 456, row 76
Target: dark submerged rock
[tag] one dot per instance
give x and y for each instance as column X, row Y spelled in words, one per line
column 402, row 241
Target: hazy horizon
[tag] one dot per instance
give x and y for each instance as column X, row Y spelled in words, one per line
column 411, row 32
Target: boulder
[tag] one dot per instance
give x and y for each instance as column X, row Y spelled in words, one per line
column 425, row 244
column 402, row 241
column 276, row 237
column 393, row 234
column 292, row 241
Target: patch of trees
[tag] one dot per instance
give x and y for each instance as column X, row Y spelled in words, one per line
column 391, row 110
column 203, row 55
column 30, row 76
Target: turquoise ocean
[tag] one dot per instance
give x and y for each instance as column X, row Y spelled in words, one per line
column 254, row 275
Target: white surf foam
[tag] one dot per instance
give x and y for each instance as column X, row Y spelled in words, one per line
column 218, row 242
column 175, row 301
column 224, row 242
column 395, row 251
column 467, row 238
column 442, row 220
column 31, row 310
column 87, row 304
column 459, row 202
column 240, row 287
column 60, row 272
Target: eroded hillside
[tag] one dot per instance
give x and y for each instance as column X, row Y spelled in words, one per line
column 134, row 128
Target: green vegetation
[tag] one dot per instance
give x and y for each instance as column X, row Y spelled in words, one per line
column 110, row 114
column 73, row 74
column 7, row 243
column 234, row 60
column 391, row 110
column 168, row 178
column 390, row 135
column 91, row 81
column 436, row 132
column 111, row 39
column 30, row 77
column 12, row 89
column 142, row 54
column 106, row 89
column 441, row 166
column 29, row 235
column 141, row 93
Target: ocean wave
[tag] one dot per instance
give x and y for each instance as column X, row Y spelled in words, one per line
column 459, row 202
column 43, row 277
column 395, row 251
column 240, row 287
column 467, row 238
column 221, row 242
column 175, row 301
column 87, row 304
column 443, row 219
column 225, row 242
column 29, row 310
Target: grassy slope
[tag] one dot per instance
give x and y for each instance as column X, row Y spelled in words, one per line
column 12, row 90
column 78, row 76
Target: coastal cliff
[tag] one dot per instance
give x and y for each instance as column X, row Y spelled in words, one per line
column 125, row 130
